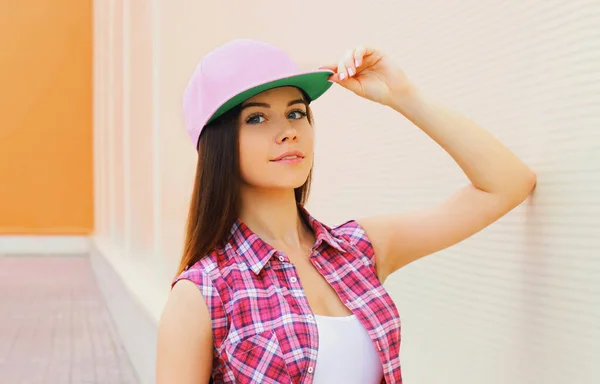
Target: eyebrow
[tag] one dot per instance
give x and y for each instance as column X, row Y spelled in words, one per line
column 265, row 105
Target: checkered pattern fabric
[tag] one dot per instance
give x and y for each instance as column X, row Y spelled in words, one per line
column 263, row 328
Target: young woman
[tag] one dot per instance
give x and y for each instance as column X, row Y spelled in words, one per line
column 266, row 293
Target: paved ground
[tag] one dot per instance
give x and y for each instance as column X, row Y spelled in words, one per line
column 54, row 325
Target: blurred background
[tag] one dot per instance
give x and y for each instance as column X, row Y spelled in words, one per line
column 96, row 171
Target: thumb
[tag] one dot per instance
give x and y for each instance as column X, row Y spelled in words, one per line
column 351, row 84
column 332, row 67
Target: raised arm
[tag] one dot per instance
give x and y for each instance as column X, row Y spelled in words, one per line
column 499, row 180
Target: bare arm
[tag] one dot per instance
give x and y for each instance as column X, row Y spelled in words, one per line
column 499, row 182
column 185, row 344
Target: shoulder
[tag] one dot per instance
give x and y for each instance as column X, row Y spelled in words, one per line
column 192, row 296
column 203, row 274
column 211, row 292
column 185, row 335
column 200, row 270
column 352, row 232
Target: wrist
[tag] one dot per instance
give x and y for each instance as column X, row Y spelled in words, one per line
column 404, row 100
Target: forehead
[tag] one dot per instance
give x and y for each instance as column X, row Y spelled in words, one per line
column 275, row 95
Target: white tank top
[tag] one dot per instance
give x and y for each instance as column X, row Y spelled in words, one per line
column 346, row 353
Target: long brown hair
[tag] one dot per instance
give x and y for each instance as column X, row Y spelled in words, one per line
column 215, row 198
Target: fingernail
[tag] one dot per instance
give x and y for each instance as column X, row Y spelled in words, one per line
column 342, row 76
column 357, row 63
column 350, row 72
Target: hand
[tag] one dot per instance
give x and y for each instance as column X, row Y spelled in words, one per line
column 370, row 74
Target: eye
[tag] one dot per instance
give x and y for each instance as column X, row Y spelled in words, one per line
column 256, row 118
column 297, row 114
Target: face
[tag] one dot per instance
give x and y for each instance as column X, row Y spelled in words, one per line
column 276, row 139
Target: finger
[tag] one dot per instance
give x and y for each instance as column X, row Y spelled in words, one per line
column 349, row 62
column 359, row 54
column 346, row 66
column 341, row 70
column 332, row 68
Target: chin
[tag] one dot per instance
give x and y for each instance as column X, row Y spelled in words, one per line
column 281, row 183
column 290, row 179
column 289, row 184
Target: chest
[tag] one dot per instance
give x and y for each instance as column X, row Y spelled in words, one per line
column 271, row 315
column 321, row 296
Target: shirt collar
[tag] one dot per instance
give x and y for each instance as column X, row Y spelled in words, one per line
column 321, row 231
column 255, row 252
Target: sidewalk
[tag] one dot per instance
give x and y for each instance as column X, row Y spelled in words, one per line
column 54, row 325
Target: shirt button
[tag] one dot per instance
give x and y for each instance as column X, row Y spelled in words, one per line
column 310, row 369
column 310, row 317
column 281, row 258
column 293, row 279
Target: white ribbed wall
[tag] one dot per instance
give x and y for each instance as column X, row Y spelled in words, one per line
column 517, row 303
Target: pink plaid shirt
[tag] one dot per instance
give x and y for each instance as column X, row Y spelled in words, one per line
column 263, row 328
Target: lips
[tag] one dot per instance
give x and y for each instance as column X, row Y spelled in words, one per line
column 290, row 155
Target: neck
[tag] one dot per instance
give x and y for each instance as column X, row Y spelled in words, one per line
column 273, row 215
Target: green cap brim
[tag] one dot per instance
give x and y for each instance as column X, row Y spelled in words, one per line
column 314, row 84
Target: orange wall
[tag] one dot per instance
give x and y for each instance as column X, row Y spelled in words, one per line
column 46, row 117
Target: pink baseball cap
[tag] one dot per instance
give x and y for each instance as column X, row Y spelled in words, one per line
column 238, row 70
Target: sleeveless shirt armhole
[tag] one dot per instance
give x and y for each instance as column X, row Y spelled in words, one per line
column 215, row 308
column 211, row 296
column 353, row 232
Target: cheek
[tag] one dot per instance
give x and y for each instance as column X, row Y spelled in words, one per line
column 307, row 138
column 253, row 153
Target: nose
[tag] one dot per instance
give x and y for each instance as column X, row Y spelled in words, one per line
column 288, row 134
